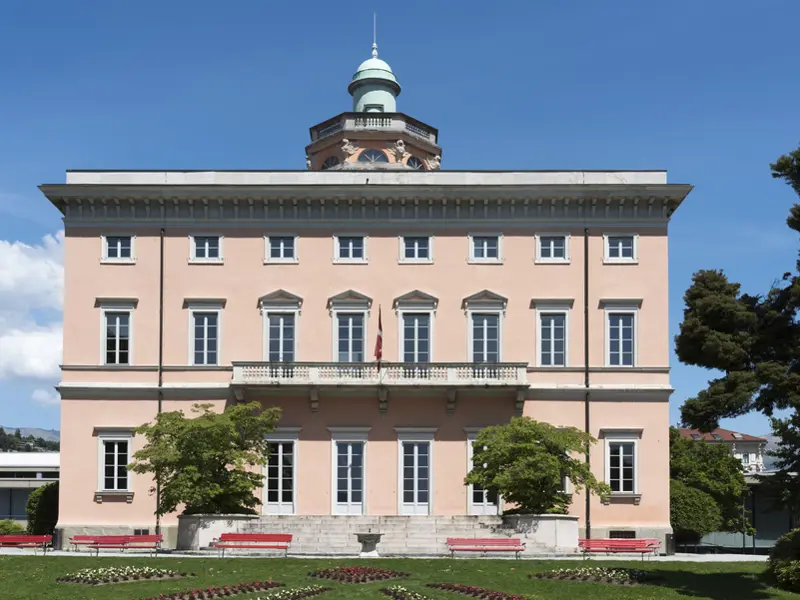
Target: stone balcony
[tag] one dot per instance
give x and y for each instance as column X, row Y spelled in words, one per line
column 383, row 122
column 446, row 375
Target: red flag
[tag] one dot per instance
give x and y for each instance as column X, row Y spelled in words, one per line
column 379, row 341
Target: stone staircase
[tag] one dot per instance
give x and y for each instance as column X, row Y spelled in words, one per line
column 402, row 535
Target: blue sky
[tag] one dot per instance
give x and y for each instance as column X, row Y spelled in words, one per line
column 706, row 89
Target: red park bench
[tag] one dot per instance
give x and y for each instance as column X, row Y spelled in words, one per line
column 643, row 546
column 36, row 542
column 485, row 545
column 272, row 541
column 149, row 542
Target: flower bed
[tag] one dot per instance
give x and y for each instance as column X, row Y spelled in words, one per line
column 295, row 593
column 400, row 593
column 356, row 574
column 221, row 591
column 596, row 574
column 476, row 592
column 118, row 574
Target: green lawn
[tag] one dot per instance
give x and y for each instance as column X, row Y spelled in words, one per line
column 34, row 577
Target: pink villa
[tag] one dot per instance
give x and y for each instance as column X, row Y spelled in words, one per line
column 501, row 293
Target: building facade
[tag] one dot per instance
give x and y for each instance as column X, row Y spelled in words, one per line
column 20, row 474
column 493, row 290
column 749, row 449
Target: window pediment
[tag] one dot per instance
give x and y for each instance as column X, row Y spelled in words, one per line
column 416, row 299
column 350, row 299
column 485, row 299
column 280, row 298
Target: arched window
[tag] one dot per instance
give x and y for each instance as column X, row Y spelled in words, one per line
column 331, row 161
column 415, row 163
column 370, row 155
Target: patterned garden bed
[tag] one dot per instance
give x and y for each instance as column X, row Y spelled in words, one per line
column 356, row 574
column 222, row 591
column 295, row 593
column 397, row 592
column 107, row 575
column 476, row 592
column 597, row 575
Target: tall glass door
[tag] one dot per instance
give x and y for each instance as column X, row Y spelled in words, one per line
column 280, row 479
column 416, row 478
column 349, row 478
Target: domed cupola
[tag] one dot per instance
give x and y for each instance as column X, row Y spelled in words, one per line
column 374, row 87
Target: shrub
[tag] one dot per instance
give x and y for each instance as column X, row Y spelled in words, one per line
column 9, row 527
column 693, row 513
column 42, row 509
column 784, row 561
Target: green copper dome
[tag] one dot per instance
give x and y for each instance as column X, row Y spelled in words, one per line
column 374, row 85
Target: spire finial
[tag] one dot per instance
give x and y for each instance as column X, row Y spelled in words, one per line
column 375, row 35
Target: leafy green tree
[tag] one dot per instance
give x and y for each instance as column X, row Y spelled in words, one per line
column 42, row 509
column 525, row 461
column 206, row 462
column 754, row 342
column 693, row 513
column 9, row 527
column 713, row 471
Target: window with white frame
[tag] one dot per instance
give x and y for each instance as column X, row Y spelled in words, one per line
column 280, row 337
column 416, row 249
column 113, row 459
column 481, row 501
column 416, row 338
column 350, row 337
column 205, row 332
column 621, row 247
column 117, row 336
column 206, row 248
column 552, row 338
column 621, row 328
column 552, row 248
column 280, row 473
column 622, row 463
column 280, row 311
column 281, row 249
column 415, row 456
column 485, row 248
column 349, row 447
column 118, row 248
column 485, row 328
column 350, row 248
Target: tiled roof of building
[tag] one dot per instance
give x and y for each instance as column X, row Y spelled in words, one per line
column 718, row 435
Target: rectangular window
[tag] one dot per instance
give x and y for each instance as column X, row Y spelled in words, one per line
column 485, row 337
column 621, row 466
column 552, row 248
column 281, row 337
column 281, row 248
column 349, row 478
column 206, row 337
column 485, row 248
column 350, row 337
column 206, row 248
column 280, row 478
column 115, row 456
column 416, row 337
column 351, row 248
column 117, row 337
column 746, row 458
column 553, row 339
column 621, row 339
column 118, row 248
column 416, row 477
column 482, row 502
column 620, row 248
column 416, row 249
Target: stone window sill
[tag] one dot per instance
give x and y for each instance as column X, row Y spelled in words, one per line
column 622, row 498
column 113, row 495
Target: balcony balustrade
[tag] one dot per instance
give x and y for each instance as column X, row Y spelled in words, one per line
column 390, row 374
column 374, row 122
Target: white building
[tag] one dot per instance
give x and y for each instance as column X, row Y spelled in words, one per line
column 20, row 474
column 747, row 448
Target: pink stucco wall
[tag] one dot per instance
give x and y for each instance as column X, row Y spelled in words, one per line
column 243, row 278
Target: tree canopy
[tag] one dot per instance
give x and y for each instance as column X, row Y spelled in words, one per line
column 526, row 462
column 716, row 475
column 754, row 342
column 205, row 462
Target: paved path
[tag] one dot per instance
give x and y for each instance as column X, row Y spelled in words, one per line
column 705, row 558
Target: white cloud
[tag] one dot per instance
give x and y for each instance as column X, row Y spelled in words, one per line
column 31, row 300
column 47, row 397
